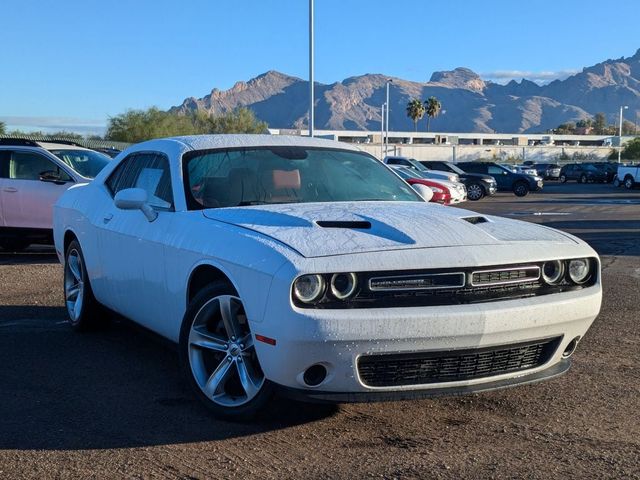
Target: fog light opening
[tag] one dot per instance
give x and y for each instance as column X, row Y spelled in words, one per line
column 315, row 375
column 571, row 347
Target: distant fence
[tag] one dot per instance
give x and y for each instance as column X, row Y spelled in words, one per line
column 87, row 143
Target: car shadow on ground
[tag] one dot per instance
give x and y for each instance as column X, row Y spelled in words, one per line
column 116, row 388
column 37, row 254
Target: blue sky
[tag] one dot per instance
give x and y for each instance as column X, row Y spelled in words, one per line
column 72, row 63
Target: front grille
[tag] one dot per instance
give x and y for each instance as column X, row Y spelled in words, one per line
column 504, row 276
column 421, row 368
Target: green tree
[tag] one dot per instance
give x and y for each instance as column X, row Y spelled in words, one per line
column 631, row 151
column 136, row 126
column 3, row 128
column 433, row 107
column 415, row 111
column 600, row 123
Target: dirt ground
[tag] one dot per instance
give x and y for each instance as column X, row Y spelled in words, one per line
column 112, row 404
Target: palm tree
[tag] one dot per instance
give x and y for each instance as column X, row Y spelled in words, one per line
column 433, row 107
column 415, row 111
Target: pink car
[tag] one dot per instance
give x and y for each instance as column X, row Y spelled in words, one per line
column 32, row 177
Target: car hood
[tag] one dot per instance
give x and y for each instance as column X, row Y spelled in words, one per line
column 325, row 229
column 477, row 176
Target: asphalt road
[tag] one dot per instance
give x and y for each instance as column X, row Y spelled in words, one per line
column 112, row 404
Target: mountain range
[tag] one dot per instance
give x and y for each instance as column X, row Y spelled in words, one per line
column 469, row 103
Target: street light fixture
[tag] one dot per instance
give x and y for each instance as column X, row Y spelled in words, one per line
column 622, row 107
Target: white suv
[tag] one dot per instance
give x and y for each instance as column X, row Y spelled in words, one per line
column 32, row 177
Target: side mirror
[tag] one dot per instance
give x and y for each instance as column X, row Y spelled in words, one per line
column 51, row 176
column 135, row 199
column 425, row 192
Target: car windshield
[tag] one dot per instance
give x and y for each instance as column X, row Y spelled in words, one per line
column 86, row 162
column 257, row 176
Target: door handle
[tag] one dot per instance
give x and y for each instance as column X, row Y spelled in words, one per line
column 10, row 189
column 107, row 218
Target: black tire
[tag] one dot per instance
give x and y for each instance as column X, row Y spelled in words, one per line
column 616, row 182
column 521, row 189
column 475, row 191
column 244, row 412
column 563, row 178
column 14, row 244
column 92, row 314
column 583, row 179
column 629, row 183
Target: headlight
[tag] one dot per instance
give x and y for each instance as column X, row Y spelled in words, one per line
column 579, row 270
column 552, row 272
column 343, row 285
column 308, row 288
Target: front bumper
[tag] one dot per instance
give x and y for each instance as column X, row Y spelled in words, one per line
column 337, row 338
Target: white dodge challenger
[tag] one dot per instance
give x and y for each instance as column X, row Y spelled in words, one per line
column 307, row 267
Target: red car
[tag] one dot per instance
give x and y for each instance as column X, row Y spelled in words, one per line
column 441, row 194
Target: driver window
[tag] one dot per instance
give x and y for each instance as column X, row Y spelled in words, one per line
column 495, row 170
column 31, row 166
column 149, row 171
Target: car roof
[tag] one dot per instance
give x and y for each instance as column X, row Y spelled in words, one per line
column 206, row 142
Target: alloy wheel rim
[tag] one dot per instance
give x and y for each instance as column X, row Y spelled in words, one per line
column 222, row 355
column 74, row 285
column 474, row 192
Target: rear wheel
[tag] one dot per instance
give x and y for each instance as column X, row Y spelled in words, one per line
column 475, row 191
column 218, row 356
column 563, row 179
column 521, row 189
column 85, row 313
column 14, row 244
column 583, row 179
column 629, row 183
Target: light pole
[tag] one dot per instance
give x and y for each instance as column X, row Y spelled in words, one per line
column 311, row 99
column 382, row 131
column 386, row 137
column 622, row 107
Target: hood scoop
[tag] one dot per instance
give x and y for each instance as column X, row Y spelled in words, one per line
column 354, row 224
column 474, row 220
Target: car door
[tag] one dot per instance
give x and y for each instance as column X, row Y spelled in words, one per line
column 131, row 246
column 31, row 184
column 503, row 178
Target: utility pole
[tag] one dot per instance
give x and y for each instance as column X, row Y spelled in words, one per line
column 311, row 81
column 622, row 107
column 386, row 138
column 382, row 131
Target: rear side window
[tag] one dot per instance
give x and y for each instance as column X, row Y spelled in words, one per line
column 149, row 171
column 16, row 165
column 493, row 170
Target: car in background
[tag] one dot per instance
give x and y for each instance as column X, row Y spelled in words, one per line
column 548, row 171
column 478, row 185
column 110, row 151
column 610, row 168
column 527, row 170
column 582, row 173
column 416, row 165
column 33, row 175
column 518, row 183
column 284, row 272
column 628, row 175
column 442, row 190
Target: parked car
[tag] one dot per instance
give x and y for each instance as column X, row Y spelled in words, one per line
column 478, row 185
column 518, row 183
column 284, row 271
column 582, row 172
column 32, row 177
column 444, row 193
column 609, row 168
column 110, row 151
column 628, row 175
column 548, row 171
column 416, row 165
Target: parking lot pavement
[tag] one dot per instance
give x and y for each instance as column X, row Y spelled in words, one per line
column 111, row 404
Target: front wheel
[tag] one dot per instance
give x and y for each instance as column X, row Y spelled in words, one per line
column 475, row 191
column 563, row 179
column 583, row 179
column 521, row 189
column 85, row 313
column 218, row 355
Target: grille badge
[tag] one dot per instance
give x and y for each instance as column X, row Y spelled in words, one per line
column 431, row 281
